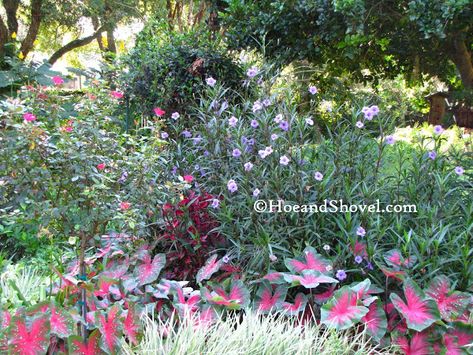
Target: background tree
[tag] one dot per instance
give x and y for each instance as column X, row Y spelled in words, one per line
column 387, row 37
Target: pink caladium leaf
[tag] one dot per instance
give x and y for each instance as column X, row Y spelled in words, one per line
column 110, row 326
column 395, row 259
column 418, row 310
column 148, row 271
column 310, row 279
column 29, row 336
column 62, row 323
column 418, row 345
column 207, row 316
column 187, row 305
column 394, row 274
column 132, row 324
column 5, row 319
column 116, row 268
column 275, row 278
column 212, row 265
column 103, row 287
column 297, row 307
column 450, row 303
column 375, row 321
column 309, row 260
column 232, row 294
column 462, row 333
column 343, row 310
column 324, row 296
column 77, row 347
column 269, row 298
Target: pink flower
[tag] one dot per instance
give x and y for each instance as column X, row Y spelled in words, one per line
column 158, row 111
column 68, row 129
column 29, row 117
column 57, row 80
column 116, row 94
column 101, row 166
column 125, row 205
column 188, row 178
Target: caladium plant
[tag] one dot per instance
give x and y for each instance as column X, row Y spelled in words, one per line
column 309, row 260
column 309, row 279
column 29, row 336
column 148, row 271
column 419, row 344
column 110, row 326
column 375, row 321
column 419, row 311
column 299, row 305
column 90, row 347
column 231, row 294
column 343, row 310
column 212, row 265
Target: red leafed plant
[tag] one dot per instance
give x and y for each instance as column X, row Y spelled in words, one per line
column 189, row 235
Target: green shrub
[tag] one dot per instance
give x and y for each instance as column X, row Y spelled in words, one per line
column 166, row 68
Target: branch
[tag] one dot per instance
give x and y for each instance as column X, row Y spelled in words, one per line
column 27, row 43
column 74, row 44
column 11, row 7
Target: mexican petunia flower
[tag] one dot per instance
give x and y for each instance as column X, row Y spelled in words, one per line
column 318, row 176
column 252, row 72
column 313, row 90
column 232, row 186
column 360, row 231
column 438, row 129
column 278, row 119
column 186, row 134
column 359, row 124
column 358, row 259
column 215, row 203
column 309, row 121
column 232, row 121
column 248, row 166
column 211, row 81
column 266, row 102
column 164, row 135
column 256, row 192
column 175, row 115
column 284, row 125
column 257, row 105
column 459, row 170
column 284, row 160
column 274, row 136
column 390, row 140
column 254, row 123
column 236, row 153
column 341, row 275
column 432, row 155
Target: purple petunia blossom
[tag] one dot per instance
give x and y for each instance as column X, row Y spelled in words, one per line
column 273, row 258
column 232, row 186
column 390, row 140
column 358, row 259
column 254, row 124
column 215, row 203
column 164, row 135
column 173, row 171
column 313, row 90
column 365, row 109
column 326, row 247
column 252, row 72
column 284, row 125
column 341, row 275
column 369, row 266
column 257, row 105
column 236, row 153
column 226, row 259
column 274, row 136
column 459, row 170
column 232, row 121
column 369, row 115
column 432, row 155
column 360, row 231
column 266, row 102
column 268, row 150
column 248, row 166
column 359, row 124
column 251, row 141
column 278, row 118
column 256, row 192
column 309, row 121
column 284, row 160
column 318, row 176
column 211, row 81
column 374, row 109
column 186, row 134
column 206, row 153
column 438, row 129
column 175, row 115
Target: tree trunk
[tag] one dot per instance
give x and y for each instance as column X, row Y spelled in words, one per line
column 461, row 56
column 73, row 45
column 3, row 37
column 111, row 47
column 33, row 30
column 11, row 7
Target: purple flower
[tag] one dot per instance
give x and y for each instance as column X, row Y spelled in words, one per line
column 252, row 72
column 206, row 153
column 284, row 160
column 309, row 121
column 278, row 118
column 360, row 231
column 274, row 136
column 369, row 266
column 266, row 102
column 265, row 152
column 248, row 166
column 284, row 126
column 359, row 124
column 197, row 140
column 341, row 275
column 254, row 124
column 236, row 153
column 365, row 110
column 257, row 105
column 318, row 176
column 175, row 115
column 459, row 170
column 226, row 259
column 438, row 129
column 211, row 81
column 390, row 140
column 251, row 141
column 173, row 170
column 256, row 192
column 164, row 135
column 232, row 121
column 374, row 110
column 215, row 203
column 313, row 90
column 268, row 150
column 232, row 186
column 273, row 258
column 369, row 115
column 186, row 134
column 326, row 247
column 358, row 259
column 432, row 155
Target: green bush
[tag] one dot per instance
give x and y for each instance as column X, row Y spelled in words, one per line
column 166, row 68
